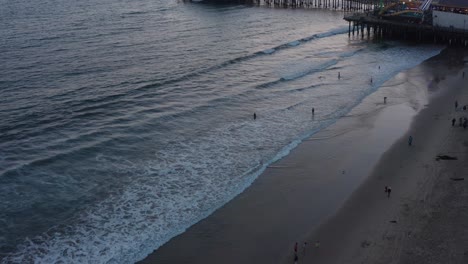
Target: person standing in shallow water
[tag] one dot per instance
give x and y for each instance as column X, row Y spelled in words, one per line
column 453, row 122
column 255, row 116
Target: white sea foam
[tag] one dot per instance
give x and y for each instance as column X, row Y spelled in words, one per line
column 294, row 43
column 269, row 51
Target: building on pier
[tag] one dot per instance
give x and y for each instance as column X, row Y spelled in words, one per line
column 450, row 14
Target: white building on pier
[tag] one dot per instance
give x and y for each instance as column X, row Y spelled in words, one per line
column 450, row 14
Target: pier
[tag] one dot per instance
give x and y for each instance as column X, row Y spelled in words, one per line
column 346, row 5
column 367, row 24
column 329, row 4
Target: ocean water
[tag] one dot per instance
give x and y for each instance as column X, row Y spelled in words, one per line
column 125, row 122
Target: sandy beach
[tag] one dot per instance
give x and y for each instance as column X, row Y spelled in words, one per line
column 425, row 218
column 331, row 187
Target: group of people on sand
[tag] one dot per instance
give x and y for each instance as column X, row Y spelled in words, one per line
column 388, row 191
column 304, row 246
column 462, row 121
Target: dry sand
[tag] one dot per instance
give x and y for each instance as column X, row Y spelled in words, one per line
column 347, row 166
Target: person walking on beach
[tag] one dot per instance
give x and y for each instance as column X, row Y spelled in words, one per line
column 313, row 111
column 255, row 116
column 295, row 258
column 304, row 248
column 385, row 100
column 456, row 104
column 295, row 248
column 453, row 121
column 389, row 190
column 339, row 75
column 410, row 140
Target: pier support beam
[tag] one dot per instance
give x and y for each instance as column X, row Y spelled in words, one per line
column 349, row 29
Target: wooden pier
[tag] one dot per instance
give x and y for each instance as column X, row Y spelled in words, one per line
column 347, row 5
column 369, row 25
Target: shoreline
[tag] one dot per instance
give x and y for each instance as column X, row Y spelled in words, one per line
column 418, row 223
column 262, row 223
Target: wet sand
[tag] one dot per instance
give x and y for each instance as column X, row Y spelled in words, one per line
column 331, row 187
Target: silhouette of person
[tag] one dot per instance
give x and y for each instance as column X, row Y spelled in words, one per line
column 410, row 140
column 385, row 100
column 453, row 122
column 255, row 116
